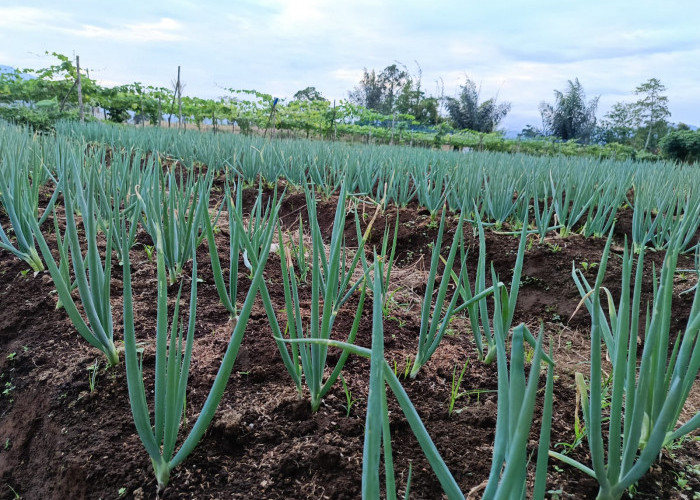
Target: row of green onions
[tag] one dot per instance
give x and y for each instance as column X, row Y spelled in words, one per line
column 134, row 190
column 578, row 194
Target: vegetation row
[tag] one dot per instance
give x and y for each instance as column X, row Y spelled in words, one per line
column 107, row 181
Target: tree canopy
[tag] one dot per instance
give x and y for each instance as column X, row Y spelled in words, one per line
column 653, row 110
column 309, row 94
column 640, row 124
column 681, row 145
column 395, row 91
column 570, row 117
column 467, row 113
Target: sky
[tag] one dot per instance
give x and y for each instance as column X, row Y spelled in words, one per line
column 518, row 51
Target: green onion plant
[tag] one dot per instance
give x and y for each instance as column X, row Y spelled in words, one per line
column 92, row 275
column 22, row 173
column 475, row 301
column 173, row 207
column 648, row 394
column 377, row 438
column 258, row 224
column 435, row 313
column 502, row 197
column 572, row 195
column 432, row 189
column 516, row 403
column 608, row 198
column 543, row 214
column 331, row 287
column 116, row 192
column 173, row 356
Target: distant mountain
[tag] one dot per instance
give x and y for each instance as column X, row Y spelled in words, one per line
column 10, row 69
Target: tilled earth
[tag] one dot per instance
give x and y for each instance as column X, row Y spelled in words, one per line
column 59, row 439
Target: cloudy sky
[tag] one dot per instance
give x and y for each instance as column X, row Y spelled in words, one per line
column 519, row 51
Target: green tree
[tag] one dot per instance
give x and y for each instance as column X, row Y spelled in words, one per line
column 393, row 79
column 309, row 94
column 620, row 124
column 653, row 111
column 395, row 92
column 570, row 117
column 155, row 101
column 309, row 115
column 195, row 110
column 249, row 108
column 22, row 91
column 369, row 93
column 467, row 113
column 682, row 145
column 381, row 92
column 117, row 102
column 413, row 101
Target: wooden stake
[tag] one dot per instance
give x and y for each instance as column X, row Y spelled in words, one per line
column 172, row 105
column 80, row 91
column 179, row 99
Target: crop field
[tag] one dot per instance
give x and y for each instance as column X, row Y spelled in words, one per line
column 198, row 315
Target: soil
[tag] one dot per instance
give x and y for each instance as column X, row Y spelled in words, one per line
column 62, row 439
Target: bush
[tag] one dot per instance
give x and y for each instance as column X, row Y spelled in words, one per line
column 39, row 120
column 681, row 145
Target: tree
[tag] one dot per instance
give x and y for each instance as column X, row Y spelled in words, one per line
column 117, row 102
column 466, row 112
column 156, row 98
column 570, row 117
column 412, row 100
column 309, row 94
column 640, row 124
column 27, row 96
column 530, row 132
column 653, row 110
column 248, row 108
column 309, row 111
column 620, row 123
column 681, row 145
column 369, row 93
column 490, row 114
column 381, row 92
column 395, row 92
column 393, row 79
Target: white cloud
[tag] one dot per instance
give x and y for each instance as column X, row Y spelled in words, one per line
column 22, row 18
column 164, row 30
column 30, row 19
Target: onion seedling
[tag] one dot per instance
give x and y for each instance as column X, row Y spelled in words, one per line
column 455, row 393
